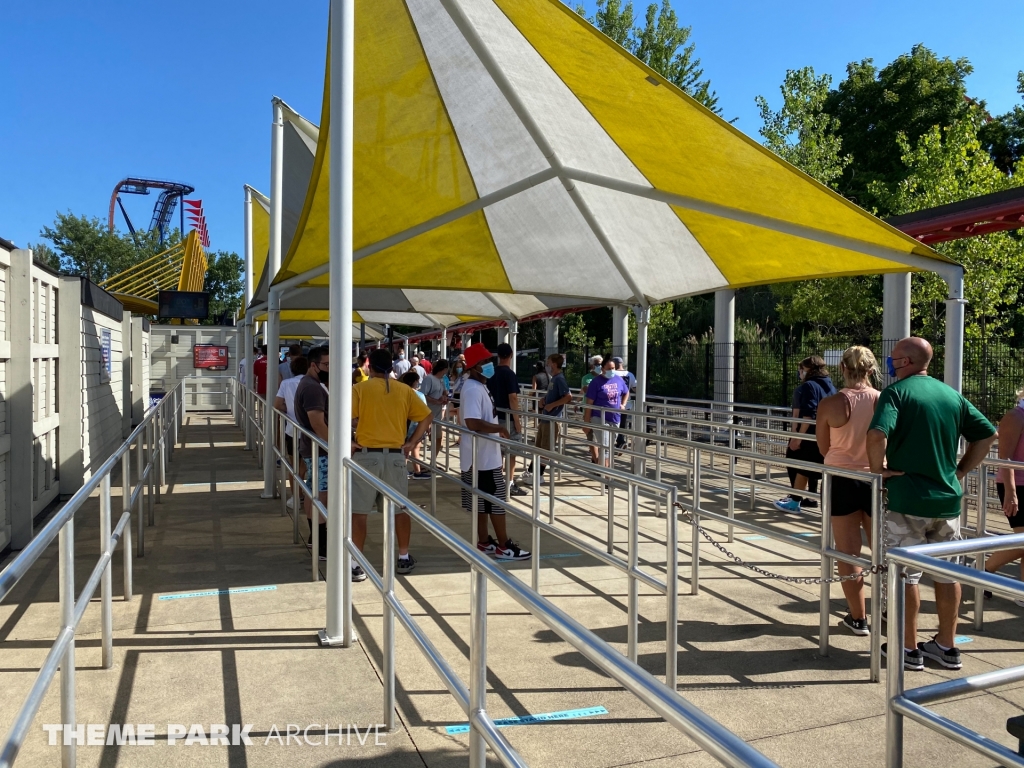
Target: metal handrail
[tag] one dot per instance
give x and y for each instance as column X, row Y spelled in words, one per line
column 710, row 735
column 153, row 439
column 903, row 703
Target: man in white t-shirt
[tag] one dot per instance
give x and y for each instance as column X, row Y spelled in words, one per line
column 477, row 413
column 284, row 401
column 401, row 366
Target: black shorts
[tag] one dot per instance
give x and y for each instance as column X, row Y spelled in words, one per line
column 490, row 481
column 849, row 496
column 289, row 446
column 1017, row 521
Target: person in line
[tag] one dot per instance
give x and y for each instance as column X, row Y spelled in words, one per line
column 436, row 393
column 361, row 372
column 627, row 423
column 541, row 379
column 478, row 413
column 285, row 403
column 381, row 410
column 815, row 385
column 556, row 398
column 418, row 471
column 284, row 370
column 1010, row 485
column 259, row 372
column 242, row 368
column 916, row 431
column 458, row 381
column 401, row 365
column 311, row 414
column 421, row 372
column 604, row 391
column 426, row 365
column 594, row 365
column 841, row 432
column 504, row 389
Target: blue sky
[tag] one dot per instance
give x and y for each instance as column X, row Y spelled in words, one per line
column 96, row 91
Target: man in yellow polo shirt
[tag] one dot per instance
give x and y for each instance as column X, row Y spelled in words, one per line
column 381, row 411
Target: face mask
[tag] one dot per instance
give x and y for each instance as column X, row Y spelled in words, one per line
column 458, row 371
column 487, row 371
column 608, row 374
column 548, row 370
column 323, row 376
column 597, row 369
column 890, row 368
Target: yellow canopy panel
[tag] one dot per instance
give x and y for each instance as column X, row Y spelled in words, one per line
column 508, row 146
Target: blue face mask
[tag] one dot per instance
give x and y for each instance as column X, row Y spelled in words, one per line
column 609, row 374
column 488, row 370
column 890, row 368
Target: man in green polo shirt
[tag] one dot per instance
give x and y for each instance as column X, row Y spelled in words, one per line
column 916, row 431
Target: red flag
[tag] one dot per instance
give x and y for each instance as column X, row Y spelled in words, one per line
column 194, row 203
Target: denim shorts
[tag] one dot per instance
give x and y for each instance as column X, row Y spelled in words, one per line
column 321, row 474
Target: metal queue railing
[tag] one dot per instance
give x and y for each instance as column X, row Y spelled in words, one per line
column 913, row 703
column 707, row 733
column 152, row 443
column 696, row 462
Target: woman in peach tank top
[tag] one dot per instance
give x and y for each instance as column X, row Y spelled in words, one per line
column 842, row 427
column 1010, row 485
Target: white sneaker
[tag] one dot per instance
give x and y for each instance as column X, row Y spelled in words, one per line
column 526, row 478
column 291, row 502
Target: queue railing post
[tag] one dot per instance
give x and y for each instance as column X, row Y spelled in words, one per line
column 979, row 560
column 388, row 615
column 151, row 467
column 477, row 667
column 347, row 631
column 535, row 542
column 633, row 559
column 695, row 531
column 474, row 512
column 106, row 579
column 825, row 591
column 894, row 667
column 730, row 536
column 672, row 589
column 610, row 535
column 142, row 485
column 314, row 510
column 433, row 435
column 160, row 420
column 282, row 453
column 877, row 586
column 551, row 471
column 66, row 546
column 126, row 506
column 658, row 426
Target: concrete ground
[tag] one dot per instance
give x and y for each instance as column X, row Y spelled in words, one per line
column 748, row 648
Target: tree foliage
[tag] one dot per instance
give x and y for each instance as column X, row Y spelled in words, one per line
column 661, row 43
column 945, row 165
column 1003, row 137
column 873, row 107
column 224, row 283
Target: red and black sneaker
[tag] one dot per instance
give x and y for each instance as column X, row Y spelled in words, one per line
column 511, row 551
column 488, row 547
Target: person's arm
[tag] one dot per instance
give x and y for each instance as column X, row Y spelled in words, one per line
column 318, row 421
column 822, row 431
column 877, row 443
column 417, row 435
column 586, row 411
column 1009, row 436
column 975, row 452
column 564, row 400
column 794, row 443
column 486, row 428
column 280, row 404
column 513, row 404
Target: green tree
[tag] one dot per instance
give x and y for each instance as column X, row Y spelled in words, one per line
column 224, row 283
column 45, row 255
column 661, row 43
column 946, row 165
column 1003, row 137
column 908, row 97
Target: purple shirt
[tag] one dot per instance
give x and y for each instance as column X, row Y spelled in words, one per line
column 608, row 393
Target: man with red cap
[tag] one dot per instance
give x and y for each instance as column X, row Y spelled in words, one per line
column 477, row 413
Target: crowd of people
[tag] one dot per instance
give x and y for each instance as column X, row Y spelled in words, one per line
column 909, row 433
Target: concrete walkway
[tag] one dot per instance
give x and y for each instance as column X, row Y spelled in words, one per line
column 748, row 646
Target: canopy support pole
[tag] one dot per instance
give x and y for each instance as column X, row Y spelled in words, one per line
column 550, row 336
column 725, row 346
column 444, row 343
column 643, row 319
column 620, row 333
column 953, row 374
column 247, row 215
column 339, row 517
column 362, row 338
column 513, row 337
column 895, row 312
column 247, row 372
column 272, row 336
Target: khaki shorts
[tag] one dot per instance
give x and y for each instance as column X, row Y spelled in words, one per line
column 910, row 530
column 543, row 439
column 598, row 436
column 390, row 468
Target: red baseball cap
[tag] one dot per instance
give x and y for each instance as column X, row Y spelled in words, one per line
column 476, row 354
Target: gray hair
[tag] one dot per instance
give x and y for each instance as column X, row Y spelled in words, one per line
column 596, row 360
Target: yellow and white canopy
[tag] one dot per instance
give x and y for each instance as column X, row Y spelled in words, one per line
column 508, row 146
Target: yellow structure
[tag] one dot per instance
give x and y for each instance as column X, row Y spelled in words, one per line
column 181, row 267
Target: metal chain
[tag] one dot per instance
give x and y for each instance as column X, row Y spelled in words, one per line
column 875, row 569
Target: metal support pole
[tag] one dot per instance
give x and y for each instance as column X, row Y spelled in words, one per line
column 126, row 506
column 141, row 462
column 633, row 562
column 825, row 592
column 611, row 518
column 643, row 318
column 388, row 618
column 894, row 667
column 535, row 560
column 477, row 667
column 66, row 546
column 348, row 633
column 151, row 467
column 877, row 580
column 955, row 306
column 282, row 478
column 314, row 511
column 694, row 532
column 672, row 591
column 106, row 580
column 979, row 560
